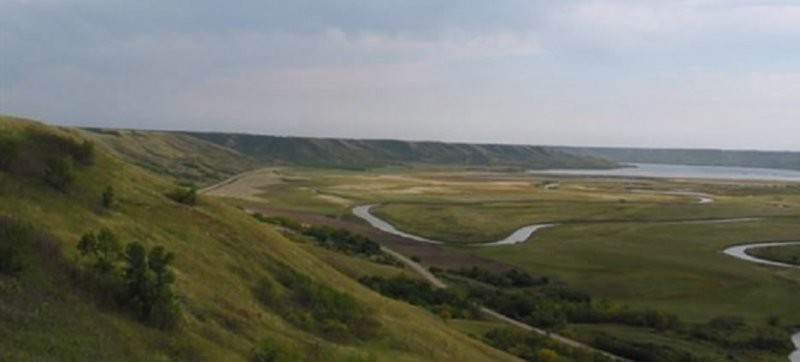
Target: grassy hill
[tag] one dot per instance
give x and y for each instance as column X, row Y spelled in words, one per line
column 244, row 290
column 180, row 156
column 331, row 152
column 763, row 159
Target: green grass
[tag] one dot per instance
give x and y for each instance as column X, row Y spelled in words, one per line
column 789, row 254
column 221, row 254
column 489, row 221
column 177, row 155
column 675, row 268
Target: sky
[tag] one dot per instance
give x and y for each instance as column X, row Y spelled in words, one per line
column 646, row 73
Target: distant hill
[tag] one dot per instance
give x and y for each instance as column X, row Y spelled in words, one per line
column 763, row 159
column 331, row 152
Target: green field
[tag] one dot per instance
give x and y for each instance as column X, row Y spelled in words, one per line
column 789, row 254
column 614, row 240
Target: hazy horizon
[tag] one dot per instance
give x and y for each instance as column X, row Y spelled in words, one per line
column 700, row 74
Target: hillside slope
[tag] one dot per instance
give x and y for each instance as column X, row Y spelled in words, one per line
column 224, row 259
column 761, row 159
column 177, row 155
column 332, row 152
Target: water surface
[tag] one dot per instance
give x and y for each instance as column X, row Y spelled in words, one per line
column 685, row 171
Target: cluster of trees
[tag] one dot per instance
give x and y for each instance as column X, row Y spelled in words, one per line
column 547, row 307
column 15, row 237
column 553, row 306
column 733, row 333
column 512, row 278
column 336, row 239
column 642, row 351
column 444, row 302
column 534, row 347
column 137, row 278
column 315, row 307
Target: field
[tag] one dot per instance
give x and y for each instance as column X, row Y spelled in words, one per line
column 789, row 254
column 627, row 241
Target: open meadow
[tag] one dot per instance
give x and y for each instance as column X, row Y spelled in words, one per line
column 638, row 244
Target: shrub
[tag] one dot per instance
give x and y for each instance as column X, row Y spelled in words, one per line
column 184, row 195
column 315, row 307
column 418, row 292
column 337, row 239
column 271, row 351
column 60, row 173
column 102, row 248
column 15, row 236
column 9, row 149
column 140, row 280
column 84, row 153
column 107, row 198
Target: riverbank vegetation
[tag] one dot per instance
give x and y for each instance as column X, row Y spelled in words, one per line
column 337, row 239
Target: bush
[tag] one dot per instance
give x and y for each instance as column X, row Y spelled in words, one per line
column 315, row 307
column 640, row 351
column 184, row 195
column 443, row 302
column 84, row 153
column 535, row 347
column 9, row 149
column 140, row 280
column 107, row 198
column 337, row 239
column 103, row 249
column 15, row 236
column 510, row 278
column 272, row 351
column 60, row 173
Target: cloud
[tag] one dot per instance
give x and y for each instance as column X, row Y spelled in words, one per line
column 525, row 71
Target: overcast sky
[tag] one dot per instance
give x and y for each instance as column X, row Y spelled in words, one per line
column 654, row 73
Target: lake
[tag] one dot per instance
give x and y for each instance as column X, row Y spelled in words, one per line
column 685, row 171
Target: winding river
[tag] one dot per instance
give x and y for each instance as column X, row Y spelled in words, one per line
column 518, row 236
column 740, row 252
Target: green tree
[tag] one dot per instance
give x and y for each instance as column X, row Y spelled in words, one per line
column 60, row 173
column 108, row 197
column 87, row 246
column 148, row 284
column 158, row 261
column 138, row 282
column 108, row 249
column 103, row 248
